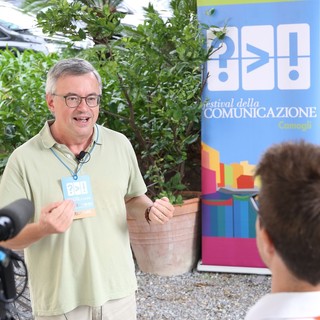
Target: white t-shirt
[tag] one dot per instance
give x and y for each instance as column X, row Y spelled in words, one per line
column 287, row 305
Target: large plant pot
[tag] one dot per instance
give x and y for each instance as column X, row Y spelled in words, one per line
column 169, row 249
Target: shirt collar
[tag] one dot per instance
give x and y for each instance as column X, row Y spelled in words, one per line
column 48, row 140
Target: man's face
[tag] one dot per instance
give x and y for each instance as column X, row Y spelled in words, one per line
column 74, row 122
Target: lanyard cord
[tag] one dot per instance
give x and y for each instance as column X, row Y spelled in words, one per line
column 74, row 174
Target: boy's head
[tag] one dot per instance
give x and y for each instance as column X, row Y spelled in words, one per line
column 289, row 205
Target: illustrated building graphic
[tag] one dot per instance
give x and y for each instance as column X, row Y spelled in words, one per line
column 228, row 215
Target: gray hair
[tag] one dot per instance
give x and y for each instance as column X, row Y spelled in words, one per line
column 70, row 67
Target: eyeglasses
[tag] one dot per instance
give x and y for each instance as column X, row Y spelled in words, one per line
column 73, row 100
column 255, row 203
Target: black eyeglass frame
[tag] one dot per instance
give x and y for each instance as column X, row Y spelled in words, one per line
column 254, row 199
column 255, row 202
column 98, row 96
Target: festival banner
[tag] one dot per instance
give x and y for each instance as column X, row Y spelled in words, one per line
column 262, row 88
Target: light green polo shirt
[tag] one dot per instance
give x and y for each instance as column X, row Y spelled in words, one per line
column 92, row 261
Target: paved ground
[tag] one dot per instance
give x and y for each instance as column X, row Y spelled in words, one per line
column 191, row 296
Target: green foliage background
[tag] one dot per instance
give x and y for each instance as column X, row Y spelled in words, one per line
column 23, row 109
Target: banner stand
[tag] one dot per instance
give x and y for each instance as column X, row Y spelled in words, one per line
column 262, row 88
column 228, row 269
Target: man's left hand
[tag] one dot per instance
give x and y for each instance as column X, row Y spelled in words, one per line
column 161, row 211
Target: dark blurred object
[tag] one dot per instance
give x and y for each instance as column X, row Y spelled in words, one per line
column 13, row 218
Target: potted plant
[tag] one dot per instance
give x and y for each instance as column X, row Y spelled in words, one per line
column 153, row 89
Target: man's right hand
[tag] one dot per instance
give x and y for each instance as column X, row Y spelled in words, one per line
column 57, row 217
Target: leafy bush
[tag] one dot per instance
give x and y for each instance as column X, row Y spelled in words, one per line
column 23, row 108
column 152, row 92
column 98, row 19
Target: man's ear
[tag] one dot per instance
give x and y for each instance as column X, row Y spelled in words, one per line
column 264, row 243
column 49, row 99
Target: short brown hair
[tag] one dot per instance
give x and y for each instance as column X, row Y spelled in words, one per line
column 289, row 205
column 71, row 66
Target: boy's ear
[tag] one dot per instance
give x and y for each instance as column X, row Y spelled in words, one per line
column 264, row 243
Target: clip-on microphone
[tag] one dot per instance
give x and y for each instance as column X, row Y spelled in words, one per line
column 83, row 157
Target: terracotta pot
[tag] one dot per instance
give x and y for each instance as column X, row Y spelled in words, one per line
column 169, row 249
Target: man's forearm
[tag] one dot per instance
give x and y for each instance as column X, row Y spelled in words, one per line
column 160, row 211
column 28, row 235
column 137, row 206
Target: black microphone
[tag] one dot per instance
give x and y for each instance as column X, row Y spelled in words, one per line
column 7, row 281
column 83, row 156
column 14, row 217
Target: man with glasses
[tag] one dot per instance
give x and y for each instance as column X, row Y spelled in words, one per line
column 83, row 180
column 288, row 231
